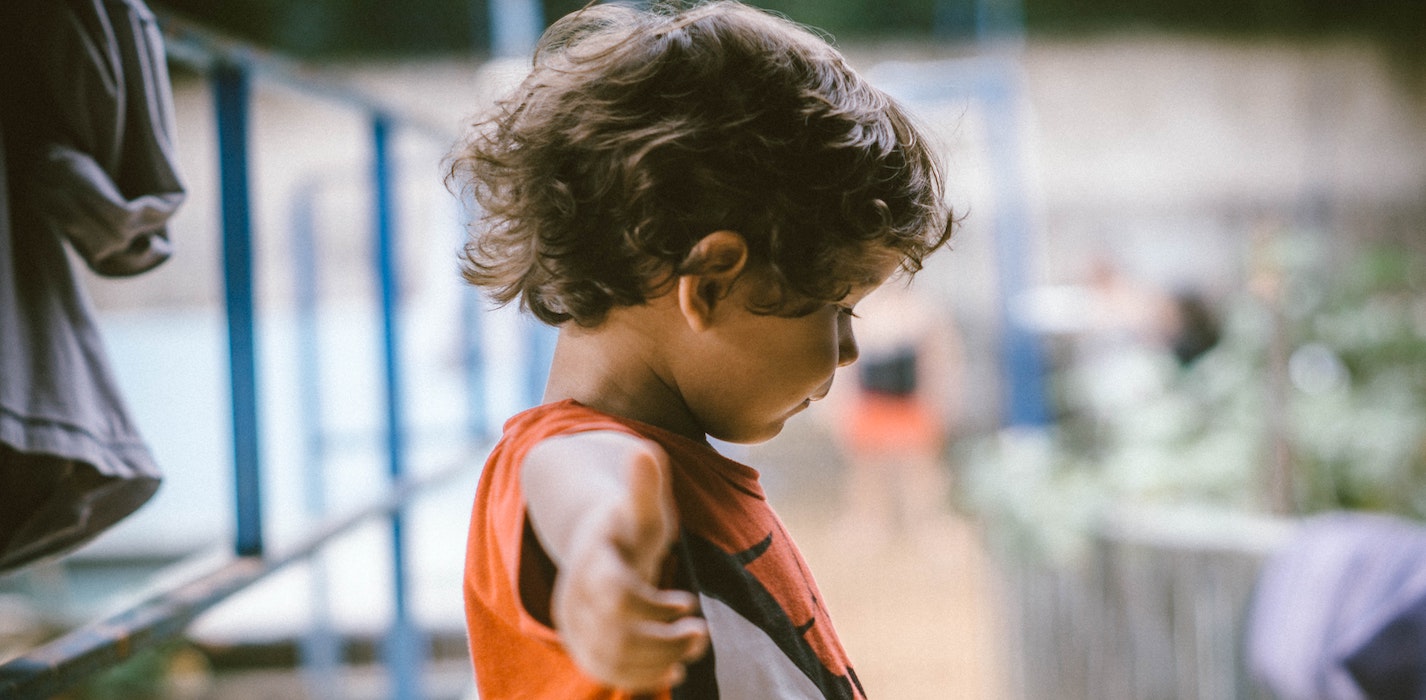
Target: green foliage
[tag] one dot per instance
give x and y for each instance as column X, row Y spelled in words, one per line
column 1349, row 407
column 147, row 675
column 1359, row 420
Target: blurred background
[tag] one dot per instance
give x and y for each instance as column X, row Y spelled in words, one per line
column 1185, row 313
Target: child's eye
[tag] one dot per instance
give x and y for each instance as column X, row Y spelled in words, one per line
column 847, row 311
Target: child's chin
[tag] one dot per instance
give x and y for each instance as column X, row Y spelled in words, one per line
column 754, row 435
column 772, row 431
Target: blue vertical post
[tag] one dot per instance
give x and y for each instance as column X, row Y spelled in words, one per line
column 515, row 26
column 231, row 101
column 999, row 19
column 403, row 657
column 321, row 649
column 309, row 356
column 539, row 354
column 473, row 359
column 1023, row 368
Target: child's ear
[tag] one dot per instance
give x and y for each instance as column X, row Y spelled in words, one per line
column 708, row 273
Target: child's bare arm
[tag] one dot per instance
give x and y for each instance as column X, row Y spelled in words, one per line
column 601, row 504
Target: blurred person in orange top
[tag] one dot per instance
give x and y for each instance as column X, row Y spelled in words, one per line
column 893, row 415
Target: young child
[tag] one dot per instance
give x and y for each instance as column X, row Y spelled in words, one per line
column 697, row 199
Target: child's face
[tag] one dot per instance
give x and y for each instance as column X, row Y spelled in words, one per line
column 755, row 371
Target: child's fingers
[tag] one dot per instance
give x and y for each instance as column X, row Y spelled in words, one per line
column 691, row 634
column 663, row 635
column 663, row 605
column 659, row 652
column 646, row 655
column 675, row 643
column 670, row 617
column 682, row 640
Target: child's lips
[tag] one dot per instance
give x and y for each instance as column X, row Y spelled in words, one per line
column 821, row 394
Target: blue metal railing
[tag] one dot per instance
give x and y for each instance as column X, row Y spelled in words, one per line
column 231, row 96
column 401, row 653
column 231, row 68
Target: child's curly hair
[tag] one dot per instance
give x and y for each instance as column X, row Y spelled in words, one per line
column 639, row 132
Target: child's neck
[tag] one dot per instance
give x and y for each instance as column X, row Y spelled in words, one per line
column 615, row 368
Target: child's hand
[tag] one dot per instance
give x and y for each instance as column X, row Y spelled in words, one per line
column 614, row 622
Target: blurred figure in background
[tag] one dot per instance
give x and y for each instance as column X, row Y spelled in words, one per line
column 896, row 408
column 1123, row 340
column 1197, row 329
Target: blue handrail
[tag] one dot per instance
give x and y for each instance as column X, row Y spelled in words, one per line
column 321, row 650
column 60, row 664
column 231, row 67
column 401, row 653
column 231, row 94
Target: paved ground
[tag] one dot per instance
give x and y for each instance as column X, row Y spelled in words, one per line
column 917, row 624
column 918, row 614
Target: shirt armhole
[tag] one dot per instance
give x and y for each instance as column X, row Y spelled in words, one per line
column 536, row 578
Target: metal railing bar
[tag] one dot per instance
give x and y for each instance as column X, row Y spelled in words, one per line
column 309, row 352
column 205, row 50
column 231, row 92
column 476, row 417
column 402, row 655
column 53, row 667
column 321, row 652
column 1023, row 366
column 231, row 66
column 473, row 363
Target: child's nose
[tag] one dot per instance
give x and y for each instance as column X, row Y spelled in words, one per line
column 847, row 350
